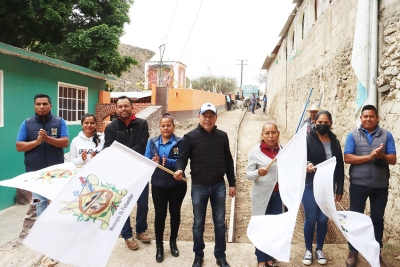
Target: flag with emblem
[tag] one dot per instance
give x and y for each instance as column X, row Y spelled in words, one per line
column 356, row 227
column 81, row 225
column 47, row 182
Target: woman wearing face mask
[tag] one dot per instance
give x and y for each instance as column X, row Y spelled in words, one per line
column 322, row 144
column 167, row 193
column 88, row 142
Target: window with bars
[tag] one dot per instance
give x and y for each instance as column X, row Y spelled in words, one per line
column 72, row 102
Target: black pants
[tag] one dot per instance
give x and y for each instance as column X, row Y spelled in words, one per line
column 161, row 197
column 229, row 105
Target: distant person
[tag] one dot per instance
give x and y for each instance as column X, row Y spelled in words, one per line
column 253, row 100
column 43, row 138
column 132, row 132
column 88, row 142
column 210, row 159
column 228, row 102
column 168, row 193
column 264, row 103
column 369, row 150
column 322, row 144
column 265, row 198
column 311, row 120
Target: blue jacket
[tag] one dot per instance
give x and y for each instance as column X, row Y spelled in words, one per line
column 44, row 155
column 161, row 178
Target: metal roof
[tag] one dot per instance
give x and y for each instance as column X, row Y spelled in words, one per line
column 21, row 53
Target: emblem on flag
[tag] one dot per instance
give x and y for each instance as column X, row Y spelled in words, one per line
column 95, row 201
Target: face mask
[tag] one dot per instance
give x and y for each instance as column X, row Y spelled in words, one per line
column 322, row 128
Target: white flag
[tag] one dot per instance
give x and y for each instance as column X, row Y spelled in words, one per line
column 273, row 234
column 356, row 227
column 361, row 53
column 47, row 182
column 80, row 227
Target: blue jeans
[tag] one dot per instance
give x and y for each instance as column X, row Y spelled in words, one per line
column 40, row 202
column 313, row 215
column 274, row 207
column 141, row 215
column 200, row 196
column 377, row 198
column 253, row 105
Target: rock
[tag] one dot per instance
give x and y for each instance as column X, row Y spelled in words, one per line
column 388, row 71
column 395, row 62
column 380, row 81
column 385, row 64
column 397, row 84
column 390, row 30
column 395, row 71
column 384, row 88
column 390, row 39
column 391, row 50
column 395, row 56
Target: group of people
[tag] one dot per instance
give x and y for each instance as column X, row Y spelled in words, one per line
column 43, row 137
column 369, row 150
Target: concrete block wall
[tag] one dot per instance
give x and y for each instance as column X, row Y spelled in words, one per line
column 322, row 60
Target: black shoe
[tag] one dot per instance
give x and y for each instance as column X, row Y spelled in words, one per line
column 223, row 263
column 198, row 262
column 174, row 248
column 160, row 253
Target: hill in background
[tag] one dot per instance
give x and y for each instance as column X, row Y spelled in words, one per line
column 127, row 82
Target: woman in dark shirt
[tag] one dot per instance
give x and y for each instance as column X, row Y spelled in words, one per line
column 322, row 144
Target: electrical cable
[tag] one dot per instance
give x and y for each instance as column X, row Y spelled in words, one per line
column 190, row 33
column 169, row 26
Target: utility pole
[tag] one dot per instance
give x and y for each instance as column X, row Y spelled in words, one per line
column 241, row 71
column 160, row 77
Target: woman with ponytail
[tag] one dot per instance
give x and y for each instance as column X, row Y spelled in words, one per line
column 88, row 142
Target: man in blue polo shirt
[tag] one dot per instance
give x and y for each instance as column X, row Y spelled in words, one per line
column 369, row 149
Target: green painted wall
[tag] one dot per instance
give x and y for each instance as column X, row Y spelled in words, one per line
column 22, row 79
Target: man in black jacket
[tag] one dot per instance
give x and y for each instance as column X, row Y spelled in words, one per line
column 210, row 159
column 132, row 132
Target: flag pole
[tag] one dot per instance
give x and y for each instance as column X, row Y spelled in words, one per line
column 269, row 165
column 169, row 171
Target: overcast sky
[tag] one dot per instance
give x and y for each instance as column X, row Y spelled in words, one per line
column 224, row 32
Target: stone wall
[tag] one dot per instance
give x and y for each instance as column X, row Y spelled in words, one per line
column 320, row 59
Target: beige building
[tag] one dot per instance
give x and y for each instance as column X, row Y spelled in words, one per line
column 315, row 51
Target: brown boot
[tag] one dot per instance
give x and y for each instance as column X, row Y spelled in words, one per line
column 352, row 259
column 381, row 262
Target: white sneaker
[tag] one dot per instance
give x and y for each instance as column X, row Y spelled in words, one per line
column 307, row 259
column 320, row 257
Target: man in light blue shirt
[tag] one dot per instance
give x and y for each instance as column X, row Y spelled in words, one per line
column 369, row 150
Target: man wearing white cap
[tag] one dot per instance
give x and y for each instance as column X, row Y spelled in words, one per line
column 311, row 120
column 210, row 159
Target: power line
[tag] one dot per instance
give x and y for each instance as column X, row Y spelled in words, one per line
column 169, row 26
column 190, row 33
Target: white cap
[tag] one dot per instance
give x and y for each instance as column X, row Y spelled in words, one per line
column 208, row 106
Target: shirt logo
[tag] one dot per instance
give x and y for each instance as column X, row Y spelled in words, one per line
column 176, row 151
column 53, row 131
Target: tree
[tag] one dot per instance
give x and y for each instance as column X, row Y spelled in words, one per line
column 213, row 83
column 82, row 32
column 262, row 78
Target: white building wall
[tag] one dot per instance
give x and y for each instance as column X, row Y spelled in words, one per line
column 321, row 60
